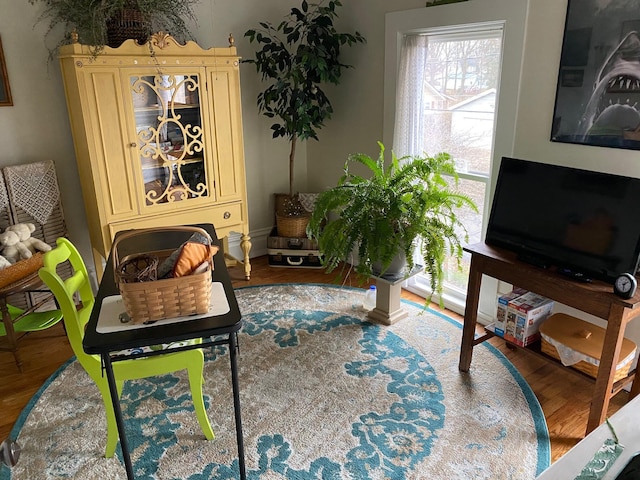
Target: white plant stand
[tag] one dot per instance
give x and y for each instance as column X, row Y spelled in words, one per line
column 388, row 309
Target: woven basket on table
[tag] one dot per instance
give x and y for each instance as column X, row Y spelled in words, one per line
column 146, row 301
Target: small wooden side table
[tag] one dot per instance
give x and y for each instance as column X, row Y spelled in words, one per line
column 595, row 298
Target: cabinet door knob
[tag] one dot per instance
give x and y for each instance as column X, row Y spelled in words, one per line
column 133, row 144
column 226, row 215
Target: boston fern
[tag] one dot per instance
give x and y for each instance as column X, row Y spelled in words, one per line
column 407, row 205
column 90, row 18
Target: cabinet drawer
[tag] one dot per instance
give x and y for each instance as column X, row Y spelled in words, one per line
column 226, row 215
column 220, row 216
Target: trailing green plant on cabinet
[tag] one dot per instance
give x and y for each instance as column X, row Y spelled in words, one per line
column 157, row 130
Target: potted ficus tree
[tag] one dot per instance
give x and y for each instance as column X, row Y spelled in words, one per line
column 110, row 22
column 406, row 207
column 297, row 57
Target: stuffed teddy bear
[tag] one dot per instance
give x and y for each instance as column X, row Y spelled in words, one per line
column 12, row 249
column 18, row 244
column 4, row 263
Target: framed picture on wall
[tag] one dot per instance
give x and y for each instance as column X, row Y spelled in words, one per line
column 5, row 91
column 598, row 91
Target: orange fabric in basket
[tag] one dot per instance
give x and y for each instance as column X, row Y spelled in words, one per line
column 191, row 256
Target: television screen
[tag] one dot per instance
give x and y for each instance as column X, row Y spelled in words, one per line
column 582, row 222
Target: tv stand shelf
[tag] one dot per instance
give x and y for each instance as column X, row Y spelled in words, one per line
column 536, row 349
column 595, row 298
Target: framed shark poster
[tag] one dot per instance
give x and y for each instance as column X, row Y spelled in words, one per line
column 598, row 92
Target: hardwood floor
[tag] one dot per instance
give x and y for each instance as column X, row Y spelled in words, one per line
column 563, row 395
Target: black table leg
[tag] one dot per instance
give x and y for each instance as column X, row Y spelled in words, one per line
column 108, row 367
column 233, row 351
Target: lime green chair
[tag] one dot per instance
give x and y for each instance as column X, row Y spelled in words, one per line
column 75, row 320
column 24, row 322
column 31, row 322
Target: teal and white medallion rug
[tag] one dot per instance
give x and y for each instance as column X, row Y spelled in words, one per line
column 325, row 395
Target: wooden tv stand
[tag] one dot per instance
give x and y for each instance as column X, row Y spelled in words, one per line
column 596, row 298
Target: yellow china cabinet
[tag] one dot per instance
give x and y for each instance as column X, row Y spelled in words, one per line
column 157, row 130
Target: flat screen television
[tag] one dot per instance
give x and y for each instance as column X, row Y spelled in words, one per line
column 583, row 223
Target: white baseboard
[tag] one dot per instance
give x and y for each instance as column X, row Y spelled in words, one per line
column 452, row 303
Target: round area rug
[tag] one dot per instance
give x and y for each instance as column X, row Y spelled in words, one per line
column 325, row 394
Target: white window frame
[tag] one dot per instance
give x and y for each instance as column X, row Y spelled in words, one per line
column 512, row 15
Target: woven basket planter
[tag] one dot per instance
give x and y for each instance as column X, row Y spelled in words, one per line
column 292, row 226
column 126, row 24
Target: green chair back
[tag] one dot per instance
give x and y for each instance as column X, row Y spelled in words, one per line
column 75, row 315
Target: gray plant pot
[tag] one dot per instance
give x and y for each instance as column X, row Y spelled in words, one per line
column 396, row 270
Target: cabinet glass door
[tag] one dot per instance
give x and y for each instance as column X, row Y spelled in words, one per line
column 169, row 133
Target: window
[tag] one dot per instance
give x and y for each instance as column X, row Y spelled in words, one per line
column 454, row 77
column 464, row 72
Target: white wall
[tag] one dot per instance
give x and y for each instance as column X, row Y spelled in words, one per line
column 535, row 113
column 358, row 101
column 36, row 128
column 535, row 109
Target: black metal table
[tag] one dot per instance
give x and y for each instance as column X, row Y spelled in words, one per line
column 214, row 330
